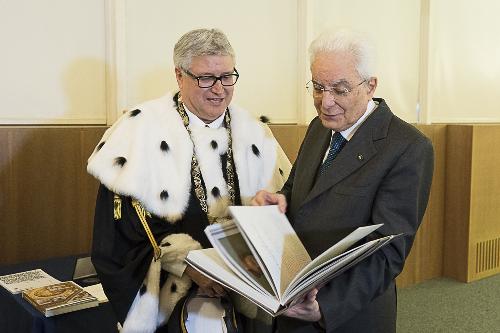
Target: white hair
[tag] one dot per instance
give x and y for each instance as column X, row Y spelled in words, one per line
column 354, row 43
column 201, row 42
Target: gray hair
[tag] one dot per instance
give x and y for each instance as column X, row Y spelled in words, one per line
column 354, row 43
column 201, row 42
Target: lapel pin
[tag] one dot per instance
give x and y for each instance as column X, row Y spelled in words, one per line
column 360, row 157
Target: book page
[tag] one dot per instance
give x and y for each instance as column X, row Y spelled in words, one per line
column 337, row 249
column 233, row 249
column 210, row 264
column 17, row 282
column 334, row 267
column 274, row 239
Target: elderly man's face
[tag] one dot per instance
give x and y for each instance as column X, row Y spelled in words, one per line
column 207, row 103
column 337, row 73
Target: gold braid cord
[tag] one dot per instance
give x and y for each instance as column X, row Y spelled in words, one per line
column 229, row 163
column 199, row 190
column 117, row 207
column 141, row 213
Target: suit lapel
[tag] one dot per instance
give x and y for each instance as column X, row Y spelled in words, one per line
column 311, row 157
column 356, row 153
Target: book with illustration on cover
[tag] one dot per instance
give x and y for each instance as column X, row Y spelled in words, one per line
column 287, row 272
column 60, row 298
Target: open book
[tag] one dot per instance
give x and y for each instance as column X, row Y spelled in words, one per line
column 288, row 272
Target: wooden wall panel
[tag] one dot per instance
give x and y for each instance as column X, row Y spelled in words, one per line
column 47, row 198
column 457, row 203
column 425, row 260
column 290, row 138
column 472, row 242
column 484, row 237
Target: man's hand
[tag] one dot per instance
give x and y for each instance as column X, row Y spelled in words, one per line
column 264, row 198
column 307, row 309
column 205, row 285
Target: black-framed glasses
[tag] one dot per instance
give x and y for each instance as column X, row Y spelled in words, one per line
column 207, row 81
column 339, row 90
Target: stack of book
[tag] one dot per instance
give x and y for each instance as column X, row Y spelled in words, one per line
column 51, row 296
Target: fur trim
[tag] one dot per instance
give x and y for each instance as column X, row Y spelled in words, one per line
column 142, row 315
column 147, row 154
column 174, row 249
column 172, row 291
column 156, row 152
column 257, row 152
column 153, row 307
column 210, row 144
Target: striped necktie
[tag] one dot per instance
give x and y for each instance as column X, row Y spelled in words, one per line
column 338, row 142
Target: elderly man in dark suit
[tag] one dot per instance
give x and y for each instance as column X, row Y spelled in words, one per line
column 358, row 165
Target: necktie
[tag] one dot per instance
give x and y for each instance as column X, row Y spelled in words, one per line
column 338, row 142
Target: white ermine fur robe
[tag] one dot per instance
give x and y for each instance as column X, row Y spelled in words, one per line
column 147, row 154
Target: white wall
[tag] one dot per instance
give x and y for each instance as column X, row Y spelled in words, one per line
column 84, row 62
column 52, row 62
column 464, row 69
column 262, row 32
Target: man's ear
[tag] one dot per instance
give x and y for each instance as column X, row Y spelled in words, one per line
column 178, row 77
column 372, row 85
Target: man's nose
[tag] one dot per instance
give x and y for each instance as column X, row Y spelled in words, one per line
column 327, row 99
column 217, row 87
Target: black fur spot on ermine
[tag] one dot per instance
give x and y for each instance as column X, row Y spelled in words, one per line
column 255, row 150
column 120, row 161
column 164, row 195
column 164, row 146
column 173, row 288
column 135, row 112
column 216, row 192
column 99, row 146
column 281, row 171
column 214, row 144
column 264, row 119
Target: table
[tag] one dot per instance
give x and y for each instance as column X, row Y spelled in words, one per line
column 18, row 316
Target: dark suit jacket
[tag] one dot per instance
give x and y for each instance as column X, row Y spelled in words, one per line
column 382, row 175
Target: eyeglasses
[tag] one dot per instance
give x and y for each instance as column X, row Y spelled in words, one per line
column 340, row 90
column 207, row 81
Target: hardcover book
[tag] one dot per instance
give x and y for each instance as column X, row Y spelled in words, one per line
column 60, row 298
column 263, row 235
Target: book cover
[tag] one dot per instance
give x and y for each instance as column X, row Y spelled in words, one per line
column 60, row 298
column 17, row 282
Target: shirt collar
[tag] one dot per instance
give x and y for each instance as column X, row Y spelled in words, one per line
column 348, row 133
column 197, row 122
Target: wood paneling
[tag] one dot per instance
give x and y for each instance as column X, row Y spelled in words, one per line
column 473, row 202
column 290, row 137
column 425, row 260
column 47, row 199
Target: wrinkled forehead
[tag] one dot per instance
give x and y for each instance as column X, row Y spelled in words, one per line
column 334, row 68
